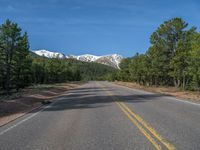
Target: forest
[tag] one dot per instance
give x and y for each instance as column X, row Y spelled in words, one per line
column 19, row 67
column 173, row 58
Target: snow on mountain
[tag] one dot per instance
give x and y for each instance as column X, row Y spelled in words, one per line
column 87, row 58
column 110, row 60
column 113, row 60
column 49, row 54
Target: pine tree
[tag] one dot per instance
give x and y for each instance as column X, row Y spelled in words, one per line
column 22, row 63
column 181, row 59
column 2, row 64
column 10, row 35
column 165, row 41
column 194, row 63
column 14, row 51
column 124, row 72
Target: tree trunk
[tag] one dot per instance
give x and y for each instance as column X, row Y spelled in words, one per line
column 183, row 82
column 7, row 83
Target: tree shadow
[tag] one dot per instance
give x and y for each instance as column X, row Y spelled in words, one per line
column 88, row 98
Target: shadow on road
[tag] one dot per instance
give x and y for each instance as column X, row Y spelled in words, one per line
column 85, row 98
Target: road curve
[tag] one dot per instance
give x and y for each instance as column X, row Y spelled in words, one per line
column 104, row 116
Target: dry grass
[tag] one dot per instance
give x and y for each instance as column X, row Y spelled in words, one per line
column 189, row 95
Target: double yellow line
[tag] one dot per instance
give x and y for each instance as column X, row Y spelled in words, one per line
column 145, row 128
column 157, row 140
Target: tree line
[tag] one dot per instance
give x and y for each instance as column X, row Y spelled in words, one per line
column 55, row 70
column 20, row 68
column 173, row 58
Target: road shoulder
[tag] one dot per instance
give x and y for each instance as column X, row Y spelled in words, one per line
column 13, row 109
column 186, row 96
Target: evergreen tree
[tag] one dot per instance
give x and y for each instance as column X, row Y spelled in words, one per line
column 180, row 61
column 165, row 41
column 173, row 59
column 22, row 64
column 124, row 72
column 194, row 63
column 138, row 69
column 10, row 35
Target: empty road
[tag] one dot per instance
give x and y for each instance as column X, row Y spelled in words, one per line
column 104, row 116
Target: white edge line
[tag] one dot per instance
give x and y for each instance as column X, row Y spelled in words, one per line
column 169, row 97
column 33, row 115
column 184, row 101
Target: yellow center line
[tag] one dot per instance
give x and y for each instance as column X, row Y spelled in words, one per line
column 142, row 130
column 141, row 124
column 148, row 127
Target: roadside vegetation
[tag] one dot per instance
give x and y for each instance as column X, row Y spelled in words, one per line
column 19, row 67
column 28, row 81
column 173, row 59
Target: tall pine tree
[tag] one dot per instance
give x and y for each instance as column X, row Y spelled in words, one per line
column 14, row 50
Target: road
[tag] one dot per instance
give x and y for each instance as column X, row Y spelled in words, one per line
column 104, row 116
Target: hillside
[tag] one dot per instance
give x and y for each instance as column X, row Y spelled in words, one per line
column 112, row 60
column 70, row 69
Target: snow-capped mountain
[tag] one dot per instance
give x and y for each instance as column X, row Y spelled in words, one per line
column 110, row 60
column 87, row 58
column 49, row 54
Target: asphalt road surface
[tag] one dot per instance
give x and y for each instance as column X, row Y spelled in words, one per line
column 104, row 116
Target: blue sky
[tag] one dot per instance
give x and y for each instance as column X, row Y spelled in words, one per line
column 95, row 26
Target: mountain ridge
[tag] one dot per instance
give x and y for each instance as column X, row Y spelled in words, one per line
column 112, row 60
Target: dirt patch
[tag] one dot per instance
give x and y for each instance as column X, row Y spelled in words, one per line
column 189, row 95
column 30, row 99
